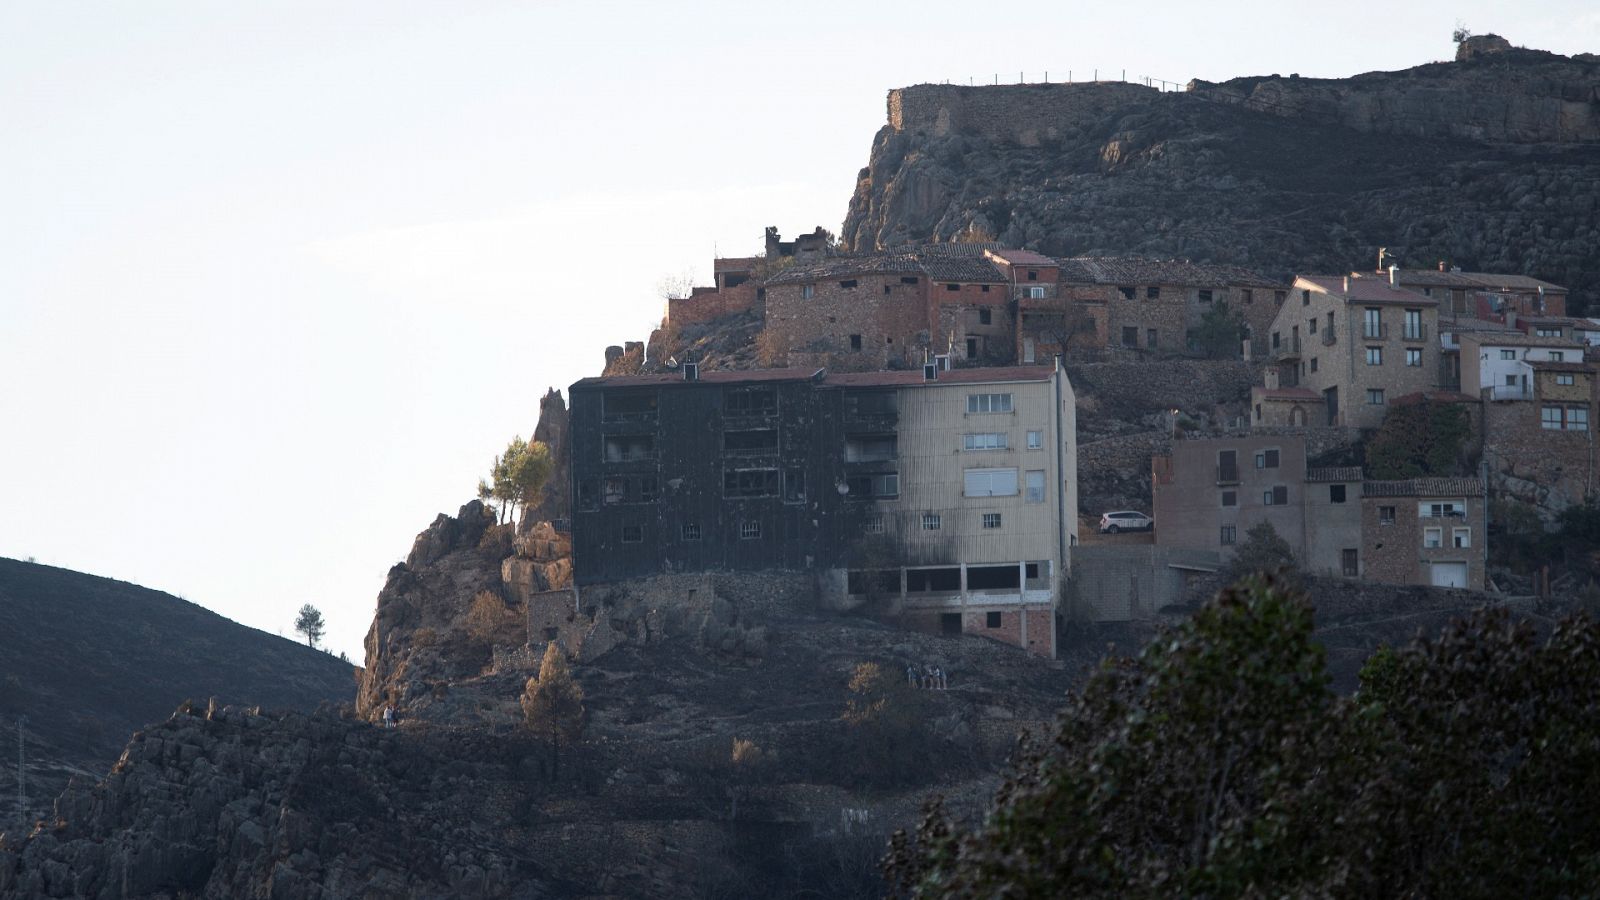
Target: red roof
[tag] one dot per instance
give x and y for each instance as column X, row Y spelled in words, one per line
column 953, row 376
column 1367, row 290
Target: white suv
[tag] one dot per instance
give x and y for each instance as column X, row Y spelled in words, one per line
column 1125, row 520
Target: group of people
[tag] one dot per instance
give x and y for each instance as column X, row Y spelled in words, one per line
column 388, row 717
column 930, row 677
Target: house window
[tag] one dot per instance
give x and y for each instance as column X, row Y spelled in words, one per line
column 1311, row 326
column 990, row 483
column 952, row 287
column 750, row 483
column 1036, row 292
column 1035, row 440
column 794, row 485
column 984, row 317
column 1230, row 535
column 1577, row 418
column 1313, row 363
column 633, row 534
column 1374, row 356
column 647, row 488
column 1130, row 336
column 1508, row 354
column 908, row 279
column 1230, row 498
column 1550, row 418
column 1205, row 296
column 1033, row 274
column 991, row 520
column 1547, row 332
column 1277, row 298
column 691, row 531
column 988, row 403
column 1411, row 325
column 1385, row 515
column 1126, row 292
column 1305, row 297
column 873, row 487
column 1278, row 496
column 1511, row 381
column 1461, row 538
column 1267, row 459
column 1414, row 357
column 750, row 402
column 1557, row 356
column 930, row 522
column 1441, row 510
column 972, row 348
column 1036, row 486
column 848, row 284
column 855, row 342
column 1374, row 396
column 807, row 291
column 1150, row 337
column 1564, row 380
column 759, row 441
column 615, row 490
column 872, row 524
column 1350, row 562
column 1372, row 323
column 989, row 440
column 1335, row 493
column 1152, row 292
column 1275, row 340
column 991, row 620
column 1248, row 296
column 1432, row 537
column 750, row 530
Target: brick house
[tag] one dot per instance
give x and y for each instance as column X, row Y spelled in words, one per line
column 969, row 310
column 1356, row 342
column 1425, row 531
column 850, row 313
column 1151, row 305
column 1207, row 493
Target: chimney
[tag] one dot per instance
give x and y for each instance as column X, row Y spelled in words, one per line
column 1347, row 284
column 1382, row 252
column 1394, row 276
column 1270, row 378
column 1441, row 265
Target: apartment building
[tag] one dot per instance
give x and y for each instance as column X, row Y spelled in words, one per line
column 947, row 500
column 1356, row 342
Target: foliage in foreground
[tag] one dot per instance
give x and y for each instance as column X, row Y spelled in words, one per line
column 1219, row 763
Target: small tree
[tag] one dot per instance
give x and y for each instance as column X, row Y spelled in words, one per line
column 517, row 477
column 309, row 623
column 1461, row 32
column 676, row 287
column 1220, row 331
column 552, row 705
column 1263, row 550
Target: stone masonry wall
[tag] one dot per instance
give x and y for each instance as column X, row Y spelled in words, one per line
column 889, row 316
column 706, row 305
column 1028, row 114
column 1548, row 470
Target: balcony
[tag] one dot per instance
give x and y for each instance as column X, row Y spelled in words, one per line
column 1287, row 350
column 1414, row 332
column 1374, row 331
column 1227, row 474
column 1510, row 392
column 1330, row 337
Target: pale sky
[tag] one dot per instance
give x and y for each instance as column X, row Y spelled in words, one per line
column 278, row 279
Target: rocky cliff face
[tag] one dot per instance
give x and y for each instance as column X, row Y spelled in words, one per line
column 1491, row 163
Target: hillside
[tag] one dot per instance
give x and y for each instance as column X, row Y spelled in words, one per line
column 1491, row 163
column 90, row 660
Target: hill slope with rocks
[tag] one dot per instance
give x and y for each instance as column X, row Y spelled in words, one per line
column 89, row 660
column 1491, row 162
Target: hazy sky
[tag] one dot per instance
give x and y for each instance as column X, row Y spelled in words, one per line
column 278, row 279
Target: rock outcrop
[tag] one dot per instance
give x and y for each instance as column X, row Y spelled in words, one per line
column 1492, row 163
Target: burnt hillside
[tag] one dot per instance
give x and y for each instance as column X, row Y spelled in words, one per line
column 89, row 660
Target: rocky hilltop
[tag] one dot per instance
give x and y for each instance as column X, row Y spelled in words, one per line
column 1490, row 162
column 89, row 660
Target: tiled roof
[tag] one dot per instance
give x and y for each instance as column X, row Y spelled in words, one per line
column 1424, row 487
column 1520, row 339
column 1021, row 258
column 1289, row 393
column 1464, row 324
column 958, row 248
column 1567, row 321
column 722, row 376
column 844, row 266
column 1132, row 270
column 980, row 375
column 1367, row 290
column 969, row 269
column 1544, row 365
column 1334, row 473
column 1427, row 277
column 1493, row 282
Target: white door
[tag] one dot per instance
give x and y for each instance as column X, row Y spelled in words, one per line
column 1027, row 350
column 1450, row 574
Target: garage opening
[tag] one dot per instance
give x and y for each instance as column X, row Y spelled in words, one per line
column 994, row 578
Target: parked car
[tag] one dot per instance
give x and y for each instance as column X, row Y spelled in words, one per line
column 1125, row 520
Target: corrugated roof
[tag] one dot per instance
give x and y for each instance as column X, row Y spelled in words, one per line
column 1334, row 473
column 1367, row 290
column 1424, row 487
column 722, row 376
column 1133, row 270
column 911, row 378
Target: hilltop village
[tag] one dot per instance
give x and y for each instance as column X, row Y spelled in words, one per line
column 898, row 430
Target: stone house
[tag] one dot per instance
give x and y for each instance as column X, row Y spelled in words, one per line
column 1357, row 342
column 969, row 307
column 1584, row 331
column 1499, row 364
column 1208, row 493
column 1480, row 294
column 850, row 312
column 1425, row 531
column 1273, row 405
column 1151, row 306
column 1540, row 447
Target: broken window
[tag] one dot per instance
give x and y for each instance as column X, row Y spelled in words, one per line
column 872, row 524
column 871, row 403
column 994, row 578
column 587, row 494
column 632, row 534
column 972, row 348
column 794, row 485
column 872, row 581
column 870, row 447
column 615, row 491
column 750, row 402
column 628, row 407
column 991, row 620
column 750, row 483
column 629, row 447
column 950, row 623
column 1127, row 292
column 848, row 284
column 762, row 441
column 1205, row 295
column 984, row 317
column 908, row 279
column 885, row 486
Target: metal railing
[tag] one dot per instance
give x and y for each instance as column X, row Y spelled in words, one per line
column 1330, row 337
column 1510, row 392
column 1374, row 332
column 1414, row 333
